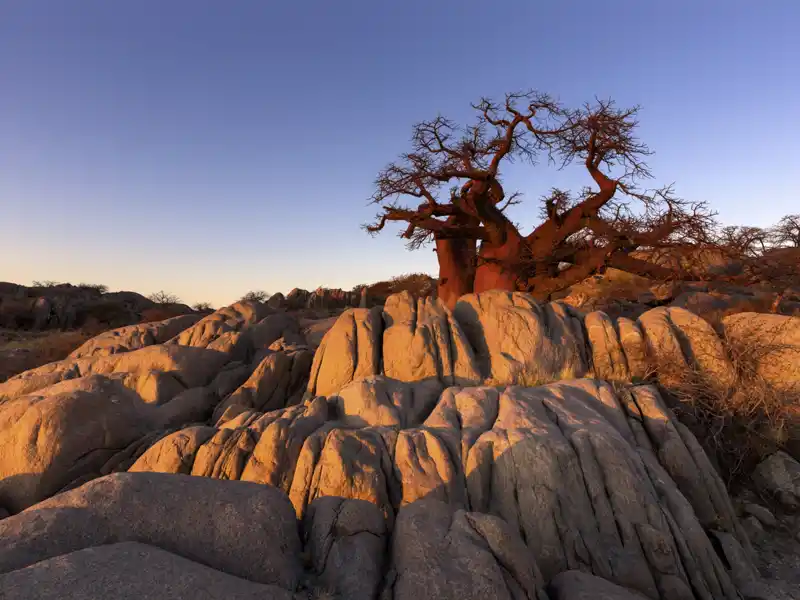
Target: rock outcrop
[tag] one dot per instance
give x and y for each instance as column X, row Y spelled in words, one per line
column 417, row 453
column 504, row 338
column 591, row 480
column 108, row 539
column 326, row 298
column 66, row 306
column 297, row 299
column 277, row 301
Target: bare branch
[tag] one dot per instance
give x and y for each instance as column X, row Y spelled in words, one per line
column 513, row 200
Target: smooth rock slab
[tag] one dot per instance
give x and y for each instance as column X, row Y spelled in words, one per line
column 577, row 585
column 243, row 529
column 129, row 571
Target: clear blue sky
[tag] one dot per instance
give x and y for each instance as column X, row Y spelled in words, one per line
column 208, row 148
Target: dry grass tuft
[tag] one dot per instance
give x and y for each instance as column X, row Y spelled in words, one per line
column 741, row 422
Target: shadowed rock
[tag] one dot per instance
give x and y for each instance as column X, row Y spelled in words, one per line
column 441, row 553
column 240, row 528
column 129, row 571
column 577, row 585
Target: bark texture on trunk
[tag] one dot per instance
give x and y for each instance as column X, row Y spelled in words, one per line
column 495, row 264
column 456, row 269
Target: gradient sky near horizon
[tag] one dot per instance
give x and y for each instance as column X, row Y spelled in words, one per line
column 208, row 148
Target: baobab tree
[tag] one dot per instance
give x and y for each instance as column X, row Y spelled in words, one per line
column 469, row 160
column 786, row 233
column 766, row 255
column 744, row 240
column 480, row 248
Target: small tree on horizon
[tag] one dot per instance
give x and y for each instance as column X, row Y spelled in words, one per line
column 162, row 297
column 768, row 255
column 255, row 296
column 46, row 284
column 98, row 287
column 786, row 233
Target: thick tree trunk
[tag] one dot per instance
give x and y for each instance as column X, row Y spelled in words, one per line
column 456, row 269
column 497, row 262
column 501, row 249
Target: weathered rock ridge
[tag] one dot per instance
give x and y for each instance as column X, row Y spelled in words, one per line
column 499, row 450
